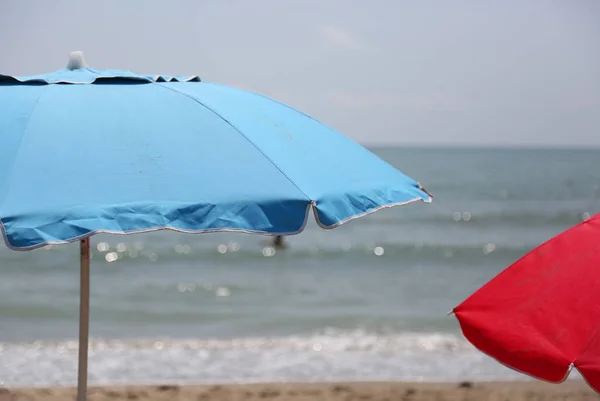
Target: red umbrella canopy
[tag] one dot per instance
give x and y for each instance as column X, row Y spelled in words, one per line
column 541, row 316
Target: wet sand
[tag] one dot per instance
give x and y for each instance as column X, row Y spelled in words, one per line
column 466, row 391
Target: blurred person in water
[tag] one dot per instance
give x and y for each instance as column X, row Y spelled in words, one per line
column 278, row 242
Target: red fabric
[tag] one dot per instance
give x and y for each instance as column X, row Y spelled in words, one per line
column 543, row 312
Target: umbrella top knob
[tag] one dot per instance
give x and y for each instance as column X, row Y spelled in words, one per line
column 76, row 61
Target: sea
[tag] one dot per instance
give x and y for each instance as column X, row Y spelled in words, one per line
column 366, row 301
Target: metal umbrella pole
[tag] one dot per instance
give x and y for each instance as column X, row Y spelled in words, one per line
column 84, row 318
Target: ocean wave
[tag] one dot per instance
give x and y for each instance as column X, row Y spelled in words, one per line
column 329, row 340
column 405, row 252
column 490, row 218
column 328, row 356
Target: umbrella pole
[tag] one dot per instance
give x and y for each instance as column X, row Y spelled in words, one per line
column 84, row 319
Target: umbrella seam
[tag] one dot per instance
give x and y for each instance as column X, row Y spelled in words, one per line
column 331, row 130
column 239, row 132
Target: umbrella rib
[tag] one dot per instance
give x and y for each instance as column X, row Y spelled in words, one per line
column 239, row 132
column 330, row 130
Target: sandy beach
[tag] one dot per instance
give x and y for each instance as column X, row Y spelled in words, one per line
column 501, row 391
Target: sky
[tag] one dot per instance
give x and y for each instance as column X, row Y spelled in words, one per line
column 434, row 73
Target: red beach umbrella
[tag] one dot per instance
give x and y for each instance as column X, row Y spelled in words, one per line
column 541, row 316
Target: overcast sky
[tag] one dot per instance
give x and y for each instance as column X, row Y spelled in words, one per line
column 475, row 72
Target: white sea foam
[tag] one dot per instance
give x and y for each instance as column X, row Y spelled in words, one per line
column 328, row 356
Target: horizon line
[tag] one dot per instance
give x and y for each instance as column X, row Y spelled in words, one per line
column 449, row 146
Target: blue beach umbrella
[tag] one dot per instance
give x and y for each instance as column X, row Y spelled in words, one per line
column 85, row 151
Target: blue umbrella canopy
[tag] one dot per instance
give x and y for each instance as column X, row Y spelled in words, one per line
column 85, row 151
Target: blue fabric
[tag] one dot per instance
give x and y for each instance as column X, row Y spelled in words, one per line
column 132, row 153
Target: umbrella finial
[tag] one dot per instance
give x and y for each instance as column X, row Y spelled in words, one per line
column 76, row 61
